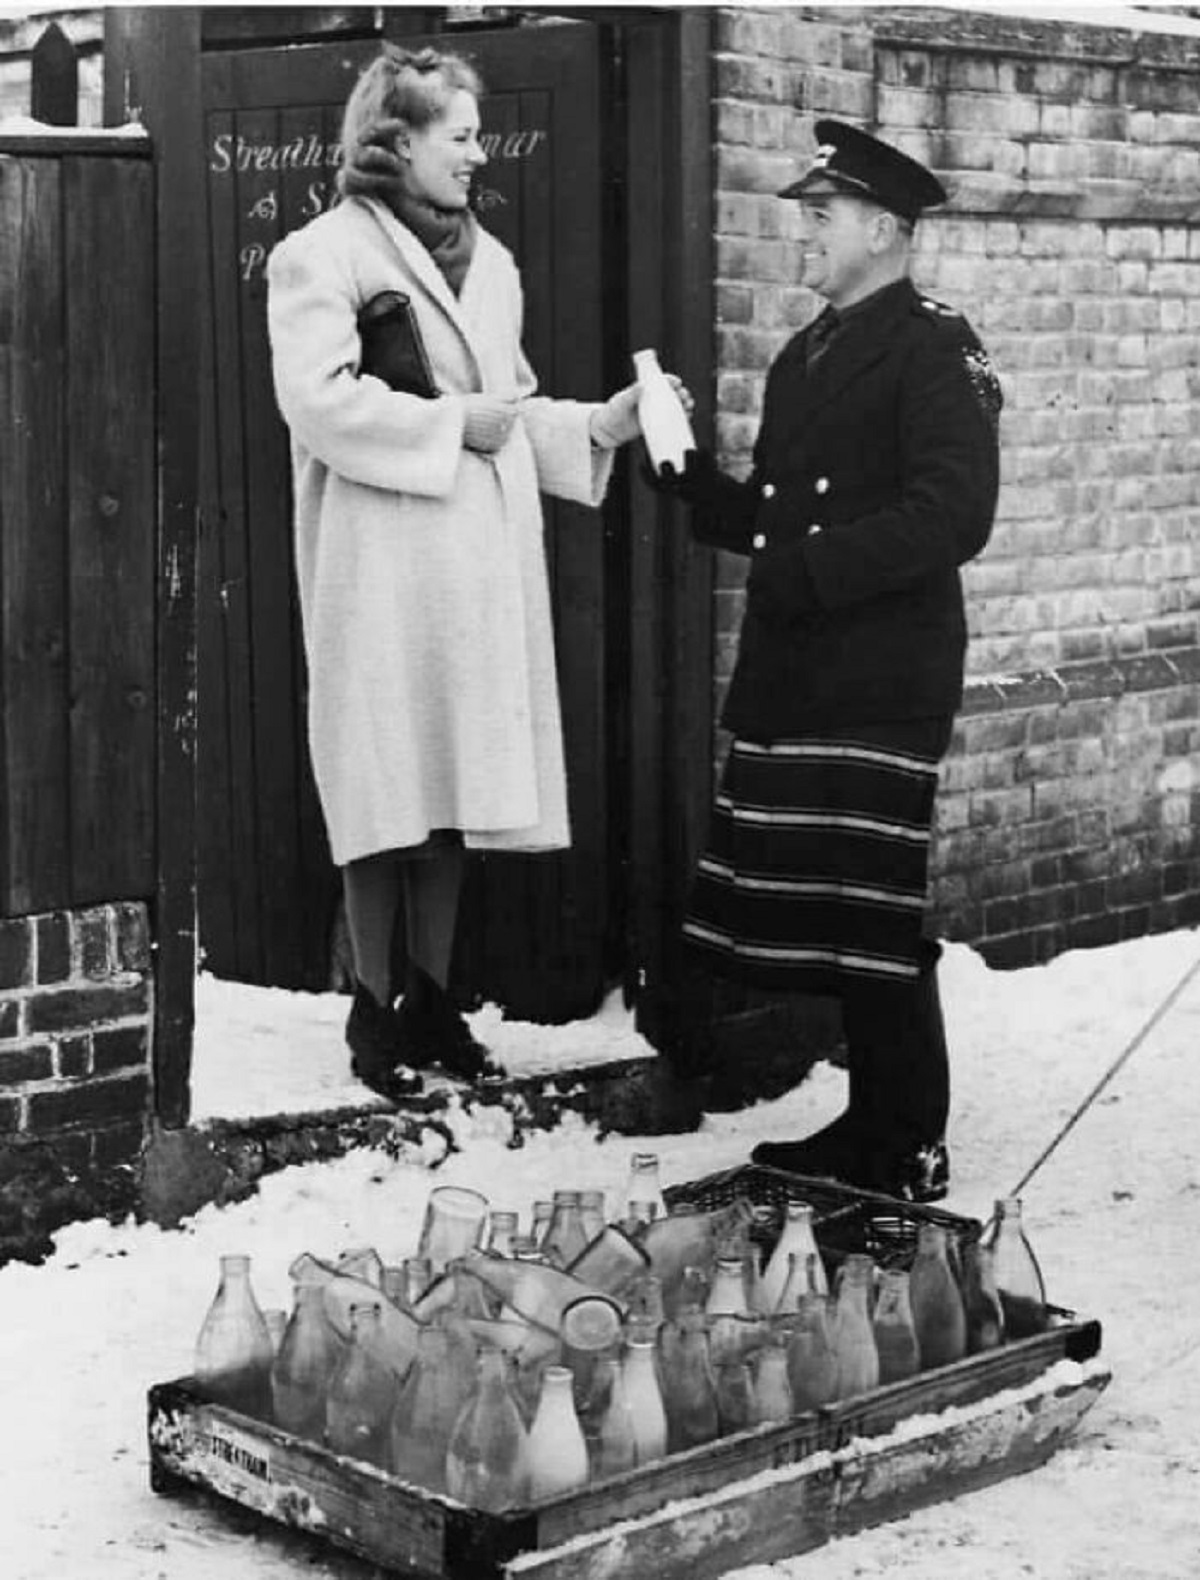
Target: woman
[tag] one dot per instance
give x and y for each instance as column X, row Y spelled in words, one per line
column 433, row 707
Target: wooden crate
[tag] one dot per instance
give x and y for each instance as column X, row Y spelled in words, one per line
column 751, row 1497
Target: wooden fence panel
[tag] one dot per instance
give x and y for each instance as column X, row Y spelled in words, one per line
column 77, row 525
column 34, row 759
column 109, row 286
column 54, row 79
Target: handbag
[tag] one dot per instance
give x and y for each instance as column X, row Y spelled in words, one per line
column 392, row 348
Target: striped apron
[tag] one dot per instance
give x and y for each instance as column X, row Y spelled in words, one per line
column 816, row 870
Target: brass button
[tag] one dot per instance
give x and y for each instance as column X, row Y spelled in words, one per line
column 815, row 528
column 759, row 540
column 768, row 490
column 822, row 485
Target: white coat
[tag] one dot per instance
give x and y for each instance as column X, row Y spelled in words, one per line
column 425, row 601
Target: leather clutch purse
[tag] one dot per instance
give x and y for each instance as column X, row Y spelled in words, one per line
column 392, row 348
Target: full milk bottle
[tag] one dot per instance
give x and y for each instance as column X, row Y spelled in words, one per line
column 665, row 425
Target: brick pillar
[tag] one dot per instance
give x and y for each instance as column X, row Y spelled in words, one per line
column 76, row 1003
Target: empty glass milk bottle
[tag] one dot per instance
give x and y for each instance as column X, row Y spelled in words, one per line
column 611, row 1445
column 688, row 1383
column 937, row 1307
column 433, row 1397
column 981, row 1298
column 643, row 1185
column 418, row 1275
column 591, row 1211
column 276, row 1319
column 689, row 1387
column 735, row 1397
column 566, row 1237
column 802, row 1279
column 558, row 1456
column 796, row 1238
column 646, row 1408
column 307, row 1359
column 895, row 1334
column 853, row 1336
column 1018, row 1276
column 487, row 1459
column 234, row 1353
column 811, row 1355
column 455, row 1218
column 362, row 1394
column 727, row 1293
column 772, row 1390
column 540, row 1215
column 502, row 1226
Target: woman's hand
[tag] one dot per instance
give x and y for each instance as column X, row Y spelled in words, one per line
column 616, row 422
column 488, row 423
column 686, row 398
column 372, row 167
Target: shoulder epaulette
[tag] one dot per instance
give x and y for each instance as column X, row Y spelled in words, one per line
column 937, row 309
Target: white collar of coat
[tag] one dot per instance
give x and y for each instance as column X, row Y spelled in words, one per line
column 417, row 256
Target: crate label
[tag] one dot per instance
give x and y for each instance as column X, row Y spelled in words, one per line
column 234, row 1453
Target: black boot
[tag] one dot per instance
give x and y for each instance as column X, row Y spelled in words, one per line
column 433, row 1032
column 376, row 1054
column 836, row 1151
column 832, row 1153
column 897, row 1033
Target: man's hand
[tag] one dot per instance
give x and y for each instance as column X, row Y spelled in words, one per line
column 698, row 484
column 372, row 167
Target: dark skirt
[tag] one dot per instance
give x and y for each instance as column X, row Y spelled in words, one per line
column 816, row 870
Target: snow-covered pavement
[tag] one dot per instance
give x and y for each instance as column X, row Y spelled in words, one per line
column 1115, row 1215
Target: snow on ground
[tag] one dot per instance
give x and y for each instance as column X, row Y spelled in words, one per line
column 299, row 1062
column 1115, row 1216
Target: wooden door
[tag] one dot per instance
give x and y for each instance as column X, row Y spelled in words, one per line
column 534, row 930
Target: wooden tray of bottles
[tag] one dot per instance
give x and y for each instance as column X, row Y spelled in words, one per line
column 752, row 1497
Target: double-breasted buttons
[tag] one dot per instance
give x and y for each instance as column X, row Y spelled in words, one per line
column 759, row 540
column 821, row 485
column 768, row 490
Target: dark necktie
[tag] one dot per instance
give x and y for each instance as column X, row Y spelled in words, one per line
column 819, row 336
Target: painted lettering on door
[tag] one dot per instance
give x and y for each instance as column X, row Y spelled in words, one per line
column 231, row 154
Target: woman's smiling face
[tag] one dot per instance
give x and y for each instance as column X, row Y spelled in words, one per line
column 444, row 155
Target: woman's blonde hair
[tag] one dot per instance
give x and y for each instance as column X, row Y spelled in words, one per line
column 413, row 86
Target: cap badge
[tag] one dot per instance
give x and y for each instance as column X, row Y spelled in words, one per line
column 823, row 155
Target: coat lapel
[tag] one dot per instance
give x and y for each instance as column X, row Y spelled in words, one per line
column 865, row 339
column 425, row 272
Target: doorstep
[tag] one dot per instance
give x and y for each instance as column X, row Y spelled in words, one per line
column 222, row 1160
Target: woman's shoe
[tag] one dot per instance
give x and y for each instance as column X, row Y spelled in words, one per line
column 376, row 1049
column 433, row 1032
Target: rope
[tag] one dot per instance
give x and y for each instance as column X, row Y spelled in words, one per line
column 1130, row 1048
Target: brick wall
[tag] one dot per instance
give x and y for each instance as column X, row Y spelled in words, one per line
column 75, row 1012
column 1070, row 812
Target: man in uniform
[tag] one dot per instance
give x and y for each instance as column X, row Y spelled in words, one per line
column 875, row 477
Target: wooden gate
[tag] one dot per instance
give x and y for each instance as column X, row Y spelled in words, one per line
column 535, row 930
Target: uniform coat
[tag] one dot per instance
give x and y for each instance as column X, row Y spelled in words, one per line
column 433, row 700
column 875, row 477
